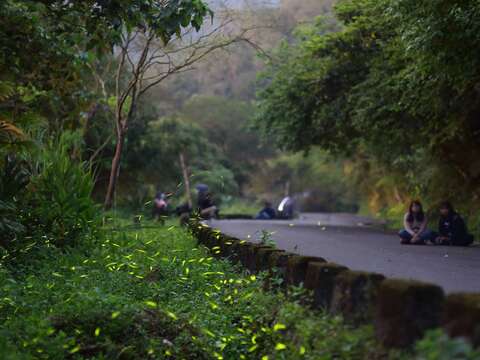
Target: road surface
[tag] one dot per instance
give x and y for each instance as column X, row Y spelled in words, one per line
column 361, row 244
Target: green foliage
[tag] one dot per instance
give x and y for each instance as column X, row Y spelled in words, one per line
column 225, row 122
column 266, row 238
column 213, row 135
column 438, row 346
column 166, row 138
column 219, row 178
column 391, row 87
column 149, row 292
column 61, row 205
column 320, row 178
column 48, row 47
column 40, row 65
column 57, row 206
column 234, row 205
column 9, row 225
column 46, row 197
column 13, row 180
column 324, row 337
column 104, row 24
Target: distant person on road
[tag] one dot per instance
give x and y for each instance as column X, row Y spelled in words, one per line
column 267, row 213
column 415, row 226
column 286, row 208
column 452, row 229
column 160, row 207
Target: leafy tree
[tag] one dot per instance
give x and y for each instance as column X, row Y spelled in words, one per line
column 389, row 85
column 170, row 139
column 39, row 67
column 146, row 58
column 226, row 126
column 319, row 182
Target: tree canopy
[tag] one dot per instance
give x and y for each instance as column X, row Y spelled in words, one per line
column 47, row 45
column 398, row 83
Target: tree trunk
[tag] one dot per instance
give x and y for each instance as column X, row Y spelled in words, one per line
column 186, row 180
column 115, row 170
column 397, row 195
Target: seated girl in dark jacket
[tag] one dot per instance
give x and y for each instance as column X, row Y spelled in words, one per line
column 451, row 227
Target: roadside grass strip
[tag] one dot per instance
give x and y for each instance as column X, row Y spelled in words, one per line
column 151, row 293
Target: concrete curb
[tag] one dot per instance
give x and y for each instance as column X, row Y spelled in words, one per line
column 401, row 310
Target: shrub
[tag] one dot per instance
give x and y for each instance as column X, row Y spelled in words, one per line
column 436, row 345
column 13, row 179
column 62, row 209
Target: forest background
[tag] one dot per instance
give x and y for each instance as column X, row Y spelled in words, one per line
column 348, row 110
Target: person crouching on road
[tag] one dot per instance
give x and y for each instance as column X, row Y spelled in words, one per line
column 207, row 207
column 267, row 213
column 415, row 226
column 452, row 229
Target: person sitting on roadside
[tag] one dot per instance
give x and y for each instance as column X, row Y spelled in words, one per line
column 452, row 229
column 286, row 208
column 415, row 226
column 160, row 207
column 206, row 206
column 267, row 213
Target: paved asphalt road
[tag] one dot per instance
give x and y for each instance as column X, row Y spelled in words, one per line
column 352, row 241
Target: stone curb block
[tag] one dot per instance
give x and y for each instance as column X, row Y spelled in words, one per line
column 401, row 310
column 296, row 270
column 405, row 310
column 227, row 245
column 203, row 234
column 243, row 253
column 219, row 243
column 216, row 238
column 236, row 250
column 262, row 258
column 199, row 232
column 279, row 259
column 462, row 316
column 251, row 256
column 277, row 263
column 320, row 277
column 355, row 294
column 254, row 254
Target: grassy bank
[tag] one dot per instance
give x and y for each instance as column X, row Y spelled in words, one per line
column 149, row 292
column 240, row 206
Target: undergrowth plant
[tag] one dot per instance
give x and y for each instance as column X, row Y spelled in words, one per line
column 14, row 177
column 150, row 292
column 62, row 208
column 436, row 345
column 266, row 238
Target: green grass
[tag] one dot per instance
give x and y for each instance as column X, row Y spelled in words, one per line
column 150, row 292
column 240, row 206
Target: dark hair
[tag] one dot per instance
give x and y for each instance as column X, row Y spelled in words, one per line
column 447, row 205
column 420, row 216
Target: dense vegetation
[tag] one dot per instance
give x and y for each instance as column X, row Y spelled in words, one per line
column 395, row 90
column 71, row 288
column 150, row 292
column 96, row 105
column 69, row 76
